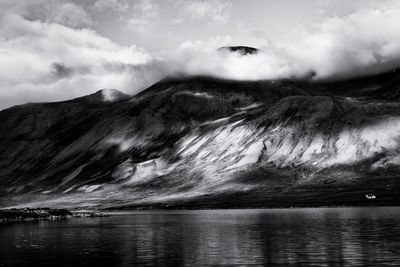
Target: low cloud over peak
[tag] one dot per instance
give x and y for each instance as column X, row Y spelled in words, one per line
column 50, row 50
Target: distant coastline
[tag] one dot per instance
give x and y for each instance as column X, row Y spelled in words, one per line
column 42, row 214
column 8, row 215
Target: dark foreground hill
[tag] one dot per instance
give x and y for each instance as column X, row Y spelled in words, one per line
column 203, row 142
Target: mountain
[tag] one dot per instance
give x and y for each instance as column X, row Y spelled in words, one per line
column 202, row 142
column 242, row 50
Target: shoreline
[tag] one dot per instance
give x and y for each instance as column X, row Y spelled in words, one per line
column 44, row 214
column 8, row 215
column 161, row 207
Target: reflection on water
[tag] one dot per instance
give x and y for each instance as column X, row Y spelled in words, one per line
column 307, row 237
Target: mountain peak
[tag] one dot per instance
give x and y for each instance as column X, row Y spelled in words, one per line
column 243, row 50
column 104, row 95
column 111, row 95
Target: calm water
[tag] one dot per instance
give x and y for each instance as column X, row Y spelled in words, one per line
column 301, row 237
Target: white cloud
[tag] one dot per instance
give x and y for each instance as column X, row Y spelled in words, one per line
column 49, row 61
column 69, row 14
column 143, row 12
column 66, row 13
column 216, row 10
column 202, row 58
column 45, row 57
column 207, row 45
column 363, row 42
column 113, row 5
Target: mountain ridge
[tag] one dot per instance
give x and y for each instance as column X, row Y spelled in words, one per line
column 207, row 142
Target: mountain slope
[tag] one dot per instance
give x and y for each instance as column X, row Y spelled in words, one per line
column 205, row 142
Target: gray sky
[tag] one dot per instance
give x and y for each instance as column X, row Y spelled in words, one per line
column 55, row 50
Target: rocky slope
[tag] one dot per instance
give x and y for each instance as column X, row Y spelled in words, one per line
column 205, row 142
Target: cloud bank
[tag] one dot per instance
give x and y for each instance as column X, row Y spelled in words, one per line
column 364, row 42
column 48, row 61
column 50, row 53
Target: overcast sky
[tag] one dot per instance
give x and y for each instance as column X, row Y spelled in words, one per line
column 56, row 50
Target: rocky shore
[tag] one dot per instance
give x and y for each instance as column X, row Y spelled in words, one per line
column 38, row 214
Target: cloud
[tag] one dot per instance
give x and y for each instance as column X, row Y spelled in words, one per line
column 113, row 5
column 208, row 45
column 45, row 57
column 48, row 61
column 363, row 42
column 366, row 41
column 61, row 70
column 202, row 58
column 143, row 12
column 66, row 13
column 218, row 11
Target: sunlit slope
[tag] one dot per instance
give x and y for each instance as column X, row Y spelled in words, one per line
column 202, row 142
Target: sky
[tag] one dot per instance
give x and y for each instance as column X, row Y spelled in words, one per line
column 52, row 50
